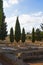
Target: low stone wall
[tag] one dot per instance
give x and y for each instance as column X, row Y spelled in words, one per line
column 6, row 60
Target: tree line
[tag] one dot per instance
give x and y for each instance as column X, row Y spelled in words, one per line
column 18, row 35
column 38, row 35
column 3, row 28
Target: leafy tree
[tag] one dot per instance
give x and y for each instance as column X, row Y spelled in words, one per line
column 41, row 35
column 38, row 34
column 3, row 31
column 33, row 35
column 11, row 35
column 42, row 31
column 17, row 31
column 23, row 35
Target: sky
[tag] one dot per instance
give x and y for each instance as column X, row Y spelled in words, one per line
column 30, row 13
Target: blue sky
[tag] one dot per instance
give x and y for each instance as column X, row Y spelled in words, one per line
column 30, row 13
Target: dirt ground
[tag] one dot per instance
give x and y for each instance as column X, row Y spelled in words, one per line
column 36, row 63
column 27, row 42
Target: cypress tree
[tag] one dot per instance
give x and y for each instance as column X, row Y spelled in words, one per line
column 11, row 35
column 38, row 35
column 23, row 37
column 42, row 26
column 1, row 11
column 33, row 35
column 17, row 31
column 3, row 31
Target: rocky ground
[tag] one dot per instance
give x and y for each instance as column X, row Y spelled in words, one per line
column 3, row 61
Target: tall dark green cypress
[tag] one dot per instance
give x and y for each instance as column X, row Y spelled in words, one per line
column 11, row 35
column 23, row 36
column 17, row 31
column 1, row 11
column 38, row 34
column 3, row 29
column 33, row 35
column 42, row 30
column 42, row 26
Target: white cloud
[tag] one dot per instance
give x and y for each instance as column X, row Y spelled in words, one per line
column 5, row 4
column 26, row 18
column 15, row 13
column 38, row 14
column 13, row 1
column 27, row 21
column 8, row 3
column 10, row 22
